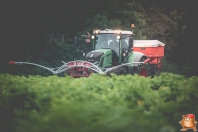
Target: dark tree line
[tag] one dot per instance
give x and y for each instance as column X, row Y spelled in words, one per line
column 42, row 32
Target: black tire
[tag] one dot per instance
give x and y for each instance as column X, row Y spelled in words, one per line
column 121, row 71
column 142, row 69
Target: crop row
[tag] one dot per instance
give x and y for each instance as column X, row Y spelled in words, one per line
column 97, row 103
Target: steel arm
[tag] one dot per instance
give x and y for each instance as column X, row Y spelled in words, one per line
column 76, row 64
column 65, row 66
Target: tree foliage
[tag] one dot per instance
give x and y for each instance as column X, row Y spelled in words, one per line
column 30, row 32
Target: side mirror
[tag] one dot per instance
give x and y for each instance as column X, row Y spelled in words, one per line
column 130, row 42
column 76, row 41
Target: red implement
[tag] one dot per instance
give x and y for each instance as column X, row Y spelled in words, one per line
column 153, row 49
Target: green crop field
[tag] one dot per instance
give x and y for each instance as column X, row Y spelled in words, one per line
column 97, row 103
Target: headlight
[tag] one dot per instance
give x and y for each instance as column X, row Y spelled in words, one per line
column 96, row 31
column 118, row 37
column 117, row 31
column 92, row 37
column 124, row 54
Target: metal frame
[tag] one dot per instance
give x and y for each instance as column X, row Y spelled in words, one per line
column 76, row 64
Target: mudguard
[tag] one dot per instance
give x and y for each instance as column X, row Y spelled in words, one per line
column 135, row 57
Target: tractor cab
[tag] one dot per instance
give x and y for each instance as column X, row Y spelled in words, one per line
column 112, row 39
column 119, row 42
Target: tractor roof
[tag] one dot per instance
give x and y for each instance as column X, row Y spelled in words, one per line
column 111, row 31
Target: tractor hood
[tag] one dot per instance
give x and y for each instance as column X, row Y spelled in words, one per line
column 96, row 55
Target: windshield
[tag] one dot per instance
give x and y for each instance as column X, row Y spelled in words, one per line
column 104, row 40
column 110, row 41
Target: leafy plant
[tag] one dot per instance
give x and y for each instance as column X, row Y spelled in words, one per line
column 96, row 103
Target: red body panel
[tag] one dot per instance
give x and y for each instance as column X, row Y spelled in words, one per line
column 155, row 54
column 151, row 51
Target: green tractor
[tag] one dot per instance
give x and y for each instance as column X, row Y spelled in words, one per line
column 113, row 51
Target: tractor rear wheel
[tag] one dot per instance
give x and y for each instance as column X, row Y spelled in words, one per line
column 143, row 69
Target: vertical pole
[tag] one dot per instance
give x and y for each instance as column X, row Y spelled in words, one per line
column 93, row 46
column 120, row 50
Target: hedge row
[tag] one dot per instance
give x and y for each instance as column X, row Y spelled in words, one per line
column 97, row 103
